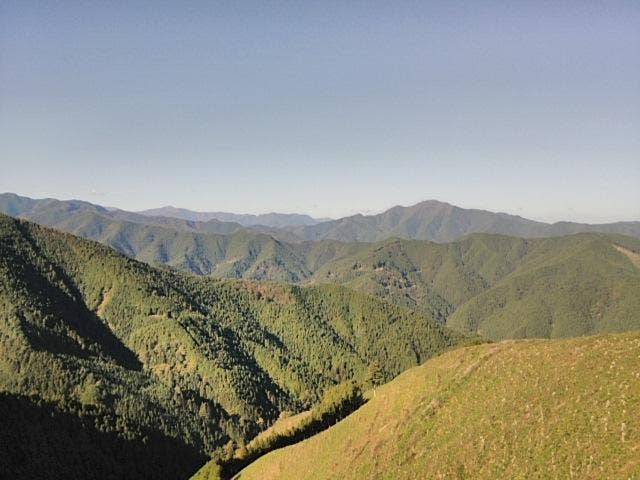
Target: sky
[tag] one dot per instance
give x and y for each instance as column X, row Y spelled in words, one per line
column 325, row 108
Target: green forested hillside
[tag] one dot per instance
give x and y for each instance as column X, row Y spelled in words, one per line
column 567, row 286
column 516, row 409
column 498, row 286
column 169, row 359
column 504, row 287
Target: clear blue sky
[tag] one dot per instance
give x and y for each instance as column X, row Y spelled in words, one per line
column 327, row 108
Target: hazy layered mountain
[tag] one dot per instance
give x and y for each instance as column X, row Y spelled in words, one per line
column 276, row 220
column 543, row 409
column 111, row 352
column 430, row 220
column 58, row 213
column 442, row 222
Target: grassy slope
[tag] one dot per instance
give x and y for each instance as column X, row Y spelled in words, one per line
column 516, row 409
column 192, row 359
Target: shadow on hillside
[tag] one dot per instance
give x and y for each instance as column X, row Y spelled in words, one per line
column 67, row 310
column 37, row 440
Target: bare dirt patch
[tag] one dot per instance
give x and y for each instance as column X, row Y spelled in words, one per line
column 630, row 254
column 106, row 298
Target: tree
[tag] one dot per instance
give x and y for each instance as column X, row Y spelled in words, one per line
column 375, row 375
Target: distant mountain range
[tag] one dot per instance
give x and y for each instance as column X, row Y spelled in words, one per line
column 277, row 220
column 430, row 220
column 441, row 222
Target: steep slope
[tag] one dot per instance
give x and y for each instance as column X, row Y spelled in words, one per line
column 527, row 409
column 172, row 359
column 442, row 222
column 567, row 286
column 498, row 286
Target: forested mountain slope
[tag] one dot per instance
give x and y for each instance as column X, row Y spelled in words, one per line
column 183, row 363
column 498, row 286
column 504, row 287
column 516, row 409
column 568, row 286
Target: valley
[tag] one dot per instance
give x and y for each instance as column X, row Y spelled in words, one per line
column 477, row 284
column 302, row 240
column 156, row 356
column 136, row 358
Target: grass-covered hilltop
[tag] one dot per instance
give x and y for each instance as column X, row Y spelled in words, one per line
column 156, row 369
column 516, row 409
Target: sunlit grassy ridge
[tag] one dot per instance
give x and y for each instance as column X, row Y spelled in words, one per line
column 515, row 409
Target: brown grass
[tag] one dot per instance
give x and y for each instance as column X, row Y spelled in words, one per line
column 630, row 254
column 516, row 409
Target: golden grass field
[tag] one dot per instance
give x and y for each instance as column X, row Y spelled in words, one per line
column 515, row 409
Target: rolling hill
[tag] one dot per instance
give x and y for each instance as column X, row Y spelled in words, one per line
column 504, row 287
column 497, row 286
column 430, row 220
column 441, row 222
column 134, row 359
column 516, row 409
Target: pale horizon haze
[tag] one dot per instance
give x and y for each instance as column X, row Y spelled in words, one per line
column 325, row 108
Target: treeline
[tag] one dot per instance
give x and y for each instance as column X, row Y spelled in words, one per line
column 338, row 402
